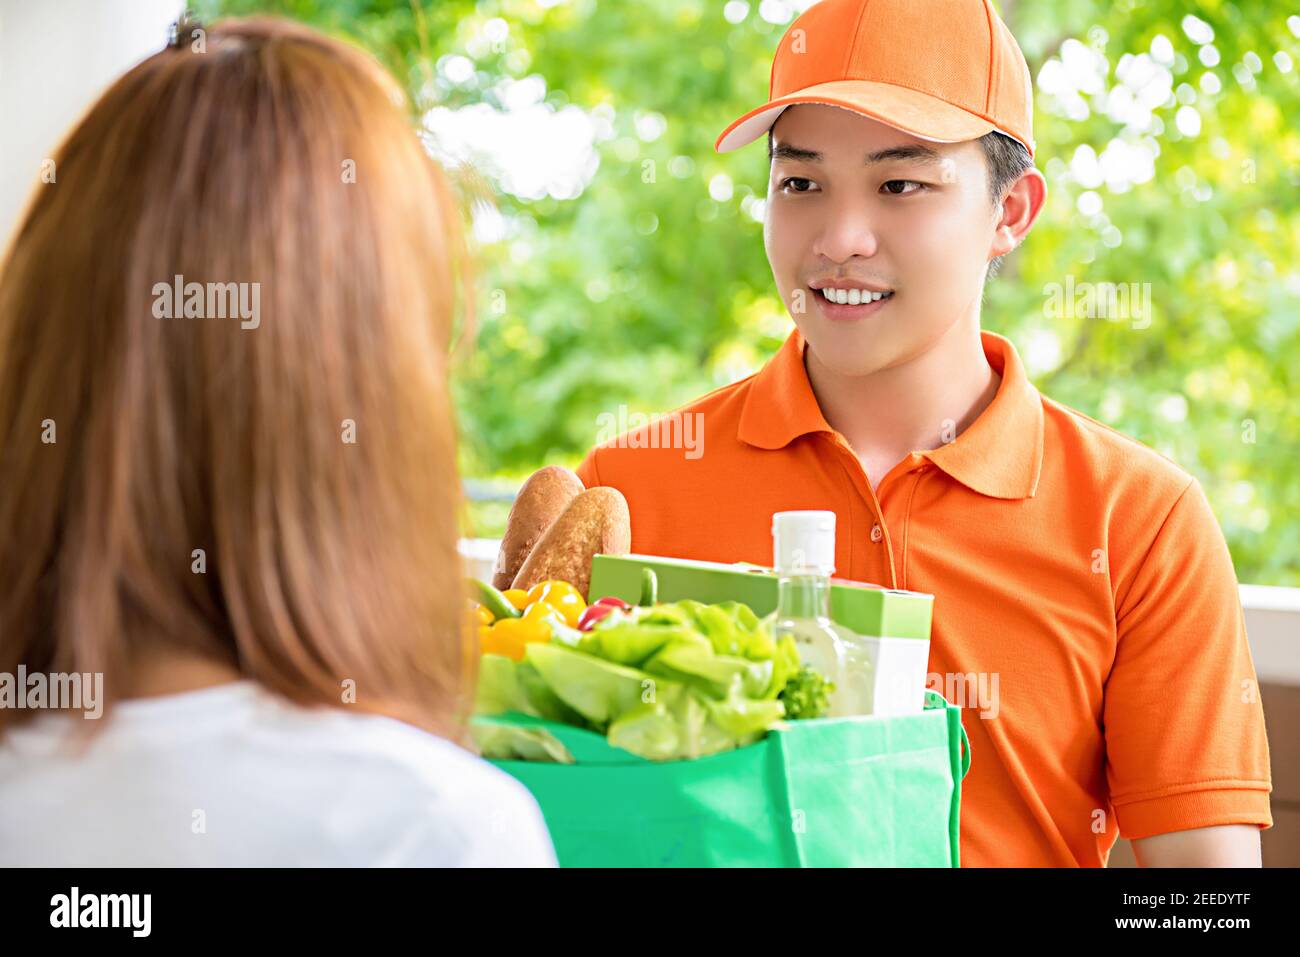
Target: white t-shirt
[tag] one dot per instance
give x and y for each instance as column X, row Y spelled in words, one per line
column 234, row 775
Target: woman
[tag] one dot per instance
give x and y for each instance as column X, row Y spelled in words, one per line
column 228, row 483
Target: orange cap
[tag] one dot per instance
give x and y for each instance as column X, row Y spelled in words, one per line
column 942, row 70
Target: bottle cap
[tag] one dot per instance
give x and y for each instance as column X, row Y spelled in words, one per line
column 803, row 542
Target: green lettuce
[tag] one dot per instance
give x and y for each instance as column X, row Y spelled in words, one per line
column 677, row 680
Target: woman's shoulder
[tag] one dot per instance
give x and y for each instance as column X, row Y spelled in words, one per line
column 443, row 803
column 321, row 785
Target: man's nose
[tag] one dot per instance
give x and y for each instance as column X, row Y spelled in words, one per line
column 848, row 231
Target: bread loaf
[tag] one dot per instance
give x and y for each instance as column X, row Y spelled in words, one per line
column 541, row 500
column 596, row 522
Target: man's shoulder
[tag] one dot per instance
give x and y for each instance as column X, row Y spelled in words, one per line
column 1084, row 446
column 721, row 407
column 710, row 420
column 1147, row 511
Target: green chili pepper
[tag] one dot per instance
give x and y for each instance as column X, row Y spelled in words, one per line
column 649, row 587
column 495, row 602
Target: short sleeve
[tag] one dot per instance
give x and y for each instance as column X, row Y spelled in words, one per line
column 1184, row 726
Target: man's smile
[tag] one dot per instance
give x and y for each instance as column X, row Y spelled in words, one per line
column 848, row 299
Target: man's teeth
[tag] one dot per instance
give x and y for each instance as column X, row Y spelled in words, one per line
column 852, row 297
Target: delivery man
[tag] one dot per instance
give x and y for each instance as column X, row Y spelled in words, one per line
column 1086, row 610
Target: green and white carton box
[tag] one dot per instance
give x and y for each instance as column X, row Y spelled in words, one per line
column 889, row 626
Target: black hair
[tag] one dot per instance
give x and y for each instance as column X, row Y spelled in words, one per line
column 1007, row 160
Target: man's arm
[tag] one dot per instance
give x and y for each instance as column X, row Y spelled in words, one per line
column 1186, row 748
column 1227, row 845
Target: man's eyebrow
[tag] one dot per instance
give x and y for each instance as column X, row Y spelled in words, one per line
column 912, row 151
column 786, row 151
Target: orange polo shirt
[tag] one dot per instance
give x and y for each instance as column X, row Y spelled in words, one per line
column 1086, row 613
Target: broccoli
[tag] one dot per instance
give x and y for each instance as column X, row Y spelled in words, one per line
column 807, row 694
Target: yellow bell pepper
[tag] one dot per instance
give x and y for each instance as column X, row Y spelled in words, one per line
column 509, row 636
column 517, row 597
column 561, row 596
column 477, row 616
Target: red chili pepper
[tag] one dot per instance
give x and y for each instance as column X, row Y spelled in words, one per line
column 593, row 614
column 613, row 602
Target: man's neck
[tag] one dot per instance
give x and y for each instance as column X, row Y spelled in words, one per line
column 919, row 405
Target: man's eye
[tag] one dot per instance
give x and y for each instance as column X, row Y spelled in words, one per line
column 786, row 184
column 894, row 186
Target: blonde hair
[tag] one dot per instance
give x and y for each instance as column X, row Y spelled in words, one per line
column 310, row 456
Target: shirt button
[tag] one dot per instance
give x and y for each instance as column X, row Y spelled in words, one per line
column 876, row 533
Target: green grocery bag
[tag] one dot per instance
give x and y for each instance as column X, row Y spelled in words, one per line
column 833, row 792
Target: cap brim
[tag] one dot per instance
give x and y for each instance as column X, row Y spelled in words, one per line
column 919, row 114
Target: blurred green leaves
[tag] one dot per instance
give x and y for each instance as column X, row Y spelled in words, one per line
column 651, row 287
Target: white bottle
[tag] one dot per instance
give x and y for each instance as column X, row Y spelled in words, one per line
column 803, row 546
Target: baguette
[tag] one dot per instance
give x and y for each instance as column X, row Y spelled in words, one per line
column 596, row 522
column 543, row 499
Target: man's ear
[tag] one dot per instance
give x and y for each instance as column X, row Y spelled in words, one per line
column 1020, row 207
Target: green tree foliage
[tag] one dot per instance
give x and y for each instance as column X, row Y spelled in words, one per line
column 1166, row 131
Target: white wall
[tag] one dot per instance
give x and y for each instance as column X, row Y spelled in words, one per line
column 56, row 57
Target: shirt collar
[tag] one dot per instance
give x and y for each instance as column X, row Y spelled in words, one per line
column 999, row 455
